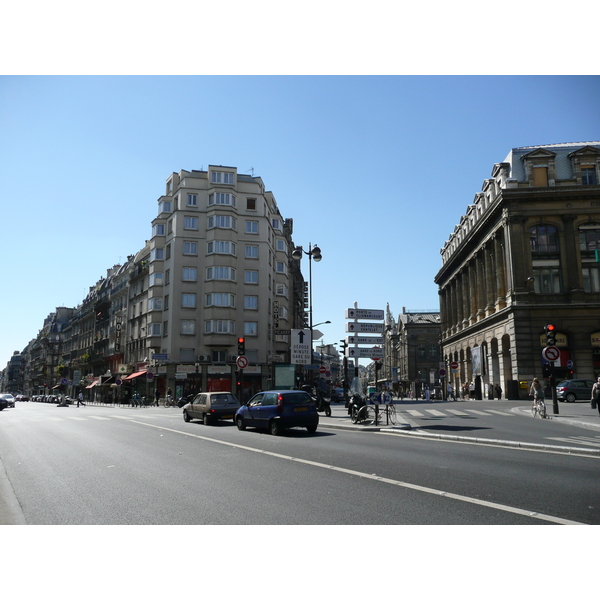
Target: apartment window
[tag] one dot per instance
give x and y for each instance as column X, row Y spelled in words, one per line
column 251, row 251
column 155, row 329
column 251, row 276
column 155, row 304
column 190, row 274
column 222, row 273
column 281, row 246
column 544, row 240
column 164, row 206
column 166, row 302
column 251, row 226
column 158, row 229
column 540, row 176
column 222, row 199
column 188, row 327
column 433, row 350
column 250, row 203
column 219, row 326
column 188, row 300
column 219, row 356
column 221, row 247
column 281, row 267
column 222, row 222
column 221, row 177
column 251, row 302
column 165, row 328
column 157, row 254
column 167, row 276
column 251, row 328
column 588, row 176
column 168, row 252
column 277, row 224
column 156, row 279
column 589, row 248
column 282, row 290
column 546, row 280
column 220, row 300
column 190, row 223
column 192, row 200
column 190, row 248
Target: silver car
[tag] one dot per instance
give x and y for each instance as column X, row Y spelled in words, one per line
column 574, row 389
column 211, row 407
column 10, row 400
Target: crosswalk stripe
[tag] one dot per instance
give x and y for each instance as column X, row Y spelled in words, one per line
column 99, row 418
column 459, row 413
column 477, row 412
column 435, row 413
column 415, row 413
column 497, row 412
column 576, row 441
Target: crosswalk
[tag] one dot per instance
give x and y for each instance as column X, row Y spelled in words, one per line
column 467, row 412
column 579, row 439
column 29, row 417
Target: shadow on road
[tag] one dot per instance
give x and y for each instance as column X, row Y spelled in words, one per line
column 452, row 428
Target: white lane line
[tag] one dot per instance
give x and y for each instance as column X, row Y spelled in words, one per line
column 99, row 418
column 372, row 476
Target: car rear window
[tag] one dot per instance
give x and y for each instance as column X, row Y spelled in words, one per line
column 216, row 399
column 297, row 398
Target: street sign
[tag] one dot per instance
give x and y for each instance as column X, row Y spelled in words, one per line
column 317, row 335
column 380, row 398
column 454, row 366
column 551, row 353
column 364, row 313
column 354, row 339
column 300, row 347
column 365, row 353
column 442, row 372
column 242, row 362
column 364, row 327
column 160, row 357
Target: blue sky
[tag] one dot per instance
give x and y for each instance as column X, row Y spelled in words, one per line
column 376, row 170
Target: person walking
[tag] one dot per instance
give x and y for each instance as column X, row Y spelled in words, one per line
column 498, row 391
column 80, row 399
column 450, row 392
column 596, row 395
column 156, row 397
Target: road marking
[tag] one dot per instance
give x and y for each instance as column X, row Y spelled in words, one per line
column 477, row 412
column 458, row 412
column 498, row 412
column 77, row 418
column 576, row 440
column 415, row 413
column 374, row 477
column 435, row 413
column 99, row 418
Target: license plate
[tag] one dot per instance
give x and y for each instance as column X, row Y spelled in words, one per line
column 300, row 409
column 227, row 417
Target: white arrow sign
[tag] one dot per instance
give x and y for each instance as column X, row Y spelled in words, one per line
column 364, row 327
column 354, row 339
column 365, row 352
column 300, row 347
column 364, row 313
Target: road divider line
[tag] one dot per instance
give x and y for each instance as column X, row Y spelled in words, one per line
column 374, row 477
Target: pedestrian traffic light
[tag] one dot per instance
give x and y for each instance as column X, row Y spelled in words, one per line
column 241, row 347
column 550, row 335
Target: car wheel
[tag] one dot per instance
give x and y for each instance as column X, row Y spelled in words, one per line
column 240, row 423
column 274, row 427
column 186, row 417
column 311, row 428
column 206, row 419
column 571, row 398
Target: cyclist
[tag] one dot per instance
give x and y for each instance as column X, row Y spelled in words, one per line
column 536, row 391
column 596, row 395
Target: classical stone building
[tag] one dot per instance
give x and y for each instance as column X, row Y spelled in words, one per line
column 525, row 255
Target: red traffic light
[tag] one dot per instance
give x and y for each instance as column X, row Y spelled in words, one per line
column 550, row 327
column 240, row 340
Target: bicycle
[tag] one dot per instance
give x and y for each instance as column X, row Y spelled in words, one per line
column 169, row 401
column 370, row 414
column 538, row 407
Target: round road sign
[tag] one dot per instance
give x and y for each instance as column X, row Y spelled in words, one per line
column 551, row 353
column 242, row 362
column 454, row 366
column 322, row 369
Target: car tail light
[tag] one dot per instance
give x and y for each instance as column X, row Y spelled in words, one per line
column 279, row 403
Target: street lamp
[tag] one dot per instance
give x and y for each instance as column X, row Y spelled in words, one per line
column 314, row 253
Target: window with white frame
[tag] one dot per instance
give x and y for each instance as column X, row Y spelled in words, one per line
column 219, row 356
column 277, row 224
column 188, row 327
column 158, row 229
column 251, row 251
column 281, row 267
column 250, row 328
column 221, row 198
column 189, row 274
column 164, row 206
column 188, row 300
column 282, row 290
column 156, row 279
column 154, row 329
column 222, row 273
column 192, row 200
column 282, row 246
column 221, row 177
column 220, row 247
column 222, row 222
column 219, row 326
column 190, row 248
column 251, row 226
column 157, row 254
column 190, row 223
column 250, row 276
column 251, row 302
column 220, row 300
column 155, row 303
column 283, row 312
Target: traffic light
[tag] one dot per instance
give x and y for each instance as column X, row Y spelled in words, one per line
column 550, row 335
column 241, row 347
column 378, row 366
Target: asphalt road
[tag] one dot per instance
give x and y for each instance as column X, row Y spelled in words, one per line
column 104, row 465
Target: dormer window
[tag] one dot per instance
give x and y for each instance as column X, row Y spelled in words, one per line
column 221, row 177
column 588, row 175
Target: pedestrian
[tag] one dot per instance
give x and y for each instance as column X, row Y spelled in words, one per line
column 427, row 394
column 471, row 390
column 450, row 392
column 80, row 399
column 498, row 390
column 596, row 395
column 156, row 397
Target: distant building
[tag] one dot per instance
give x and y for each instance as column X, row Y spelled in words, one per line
column 525, row 255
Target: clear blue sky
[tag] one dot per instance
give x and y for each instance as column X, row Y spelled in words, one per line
column 375, row 170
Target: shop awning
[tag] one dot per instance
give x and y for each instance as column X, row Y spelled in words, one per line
column 91, row 385
column 134, row 375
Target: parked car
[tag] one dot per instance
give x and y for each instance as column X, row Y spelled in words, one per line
column 277, row 410
column 10, row 400
column 3, row 402
column 211, row 407
column 574, row 389
column 22, row 398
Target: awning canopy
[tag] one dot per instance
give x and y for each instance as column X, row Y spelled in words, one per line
column 138, row 374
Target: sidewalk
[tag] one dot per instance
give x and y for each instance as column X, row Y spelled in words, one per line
column 578, row 414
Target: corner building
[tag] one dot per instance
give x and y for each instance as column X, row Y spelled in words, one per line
column 525, row 255
column 219, row 270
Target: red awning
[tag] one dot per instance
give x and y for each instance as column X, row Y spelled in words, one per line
column 135, row 375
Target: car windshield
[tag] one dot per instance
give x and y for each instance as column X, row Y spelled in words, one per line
column 297, row 398
column 217, row 399
column 563, row 384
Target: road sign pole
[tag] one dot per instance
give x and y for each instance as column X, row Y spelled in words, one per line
column 553, row 389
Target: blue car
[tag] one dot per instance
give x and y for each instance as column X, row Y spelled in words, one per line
column 277, row 410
